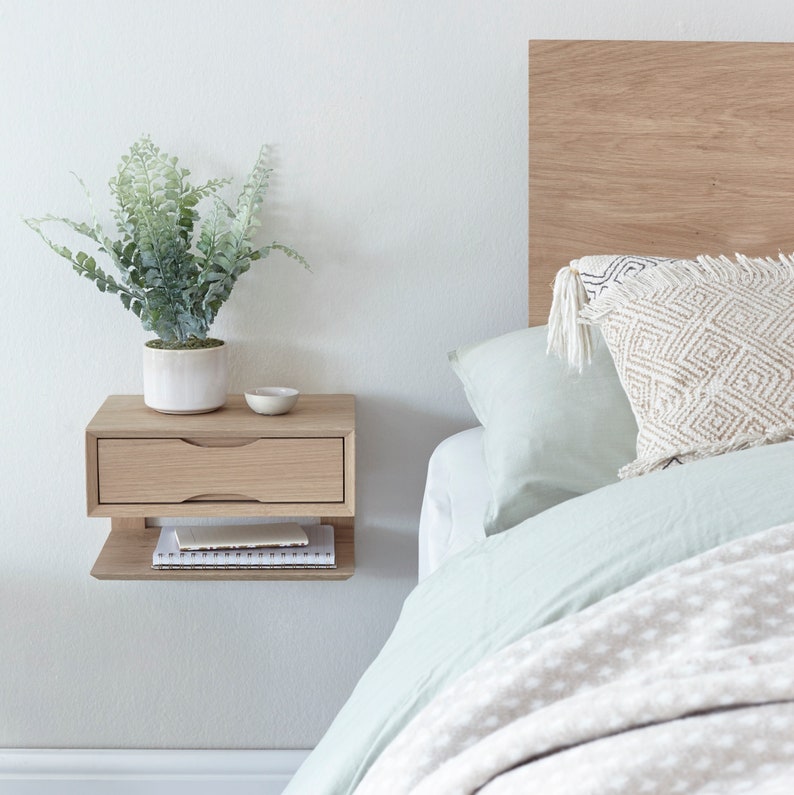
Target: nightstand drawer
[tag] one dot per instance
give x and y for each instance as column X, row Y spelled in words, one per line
column 268, row 470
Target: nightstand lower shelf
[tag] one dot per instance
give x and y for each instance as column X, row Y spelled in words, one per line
column 127, row 555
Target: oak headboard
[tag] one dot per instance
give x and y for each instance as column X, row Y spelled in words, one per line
column 666, row 148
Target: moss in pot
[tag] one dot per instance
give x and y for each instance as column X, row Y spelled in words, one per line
column 175, row 271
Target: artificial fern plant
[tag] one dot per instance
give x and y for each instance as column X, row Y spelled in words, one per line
column 174, row 283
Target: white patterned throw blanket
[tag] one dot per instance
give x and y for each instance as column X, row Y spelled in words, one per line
column 682, row 683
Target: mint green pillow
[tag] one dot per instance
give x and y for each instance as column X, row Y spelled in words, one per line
column 550, row 433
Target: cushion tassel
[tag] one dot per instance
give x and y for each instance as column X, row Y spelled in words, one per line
column 568, row 338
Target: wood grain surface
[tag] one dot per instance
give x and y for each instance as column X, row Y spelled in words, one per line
column 661, row 148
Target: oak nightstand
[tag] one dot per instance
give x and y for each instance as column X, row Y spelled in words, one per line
column 228, row 463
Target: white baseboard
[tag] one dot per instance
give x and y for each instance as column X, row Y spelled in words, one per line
column 146, row 772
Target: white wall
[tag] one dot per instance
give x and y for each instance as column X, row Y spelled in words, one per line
column 399, row 136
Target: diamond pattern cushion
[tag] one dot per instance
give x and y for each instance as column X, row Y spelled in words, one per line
column 705, row 352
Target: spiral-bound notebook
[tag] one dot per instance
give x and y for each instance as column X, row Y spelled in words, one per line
column 318, row 554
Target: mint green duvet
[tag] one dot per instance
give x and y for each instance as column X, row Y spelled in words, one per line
column 548, row 567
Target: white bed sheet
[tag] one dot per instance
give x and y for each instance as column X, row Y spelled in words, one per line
column 455, row 499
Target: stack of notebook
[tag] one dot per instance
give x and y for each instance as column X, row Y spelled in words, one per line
column 284, row 545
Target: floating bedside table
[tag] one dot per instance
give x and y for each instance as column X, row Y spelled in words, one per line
column 228, row 463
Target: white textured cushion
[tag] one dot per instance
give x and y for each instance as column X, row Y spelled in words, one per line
column 600, row 272
column 549, row 434
column 705, row 351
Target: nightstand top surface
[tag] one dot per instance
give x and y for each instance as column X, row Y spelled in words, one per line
column 126, row 416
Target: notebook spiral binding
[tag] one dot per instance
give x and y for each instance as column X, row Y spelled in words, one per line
column 243, row 559
column 319, row 554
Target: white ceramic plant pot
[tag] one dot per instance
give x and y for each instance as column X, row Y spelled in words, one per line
column 186, row 381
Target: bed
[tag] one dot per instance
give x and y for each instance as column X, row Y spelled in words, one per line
column 576, row 630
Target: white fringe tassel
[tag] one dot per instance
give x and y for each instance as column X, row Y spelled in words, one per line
column 705, row 269
column 568, row 338
column 742, row 442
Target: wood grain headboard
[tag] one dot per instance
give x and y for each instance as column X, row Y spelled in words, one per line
column 666, row 148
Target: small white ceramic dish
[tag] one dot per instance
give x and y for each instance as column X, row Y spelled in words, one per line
column 271, row 399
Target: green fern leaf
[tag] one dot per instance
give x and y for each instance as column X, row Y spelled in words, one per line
column 174, row 283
